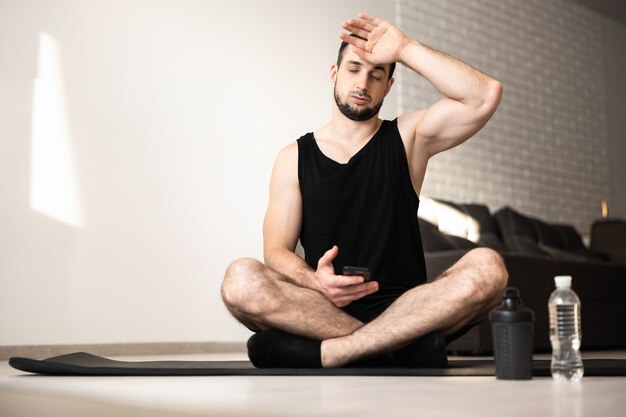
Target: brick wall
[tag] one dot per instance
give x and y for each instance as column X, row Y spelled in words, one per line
column 544, row 152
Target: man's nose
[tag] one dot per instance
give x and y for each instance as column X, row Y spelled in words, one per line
column 361, row 81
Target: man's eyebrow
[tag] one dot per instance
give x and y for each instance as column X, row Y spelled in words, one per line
column 377, row 67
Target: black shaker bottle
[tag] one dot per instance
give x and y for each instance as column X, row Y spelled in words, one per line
column 512, row 331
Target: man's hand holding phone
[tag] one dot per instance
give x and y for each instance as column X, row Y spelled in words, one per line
column 341, row 290
column 358, row 270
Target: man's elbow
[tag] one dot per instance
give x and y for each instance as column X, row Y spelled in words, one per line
column 272, row 252
column 269, row 252
column 492, row 97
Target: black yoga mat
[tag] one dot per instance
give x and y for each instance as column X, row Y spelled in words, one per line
column 86, row 364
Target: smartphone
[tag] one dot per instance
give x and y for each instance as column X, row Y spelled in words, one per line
column 358, row 270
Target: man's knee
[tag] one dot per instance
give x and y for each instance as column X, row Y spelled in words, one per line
column 490, row 277
column 245, row 287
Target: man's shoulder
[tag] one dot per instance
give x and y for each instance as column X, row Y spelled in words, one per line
column 286, row 164
column 291, row 149
column 289, row 152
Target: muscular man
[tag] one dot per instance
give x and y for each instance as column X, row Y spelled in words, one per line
column 349, row 192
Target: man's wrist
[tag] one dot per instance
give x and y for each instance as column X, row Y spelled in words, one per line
column 409, row 51
column 309, row 280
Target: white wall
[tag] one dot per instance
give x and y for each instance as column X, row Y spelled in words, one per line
column 136, row 144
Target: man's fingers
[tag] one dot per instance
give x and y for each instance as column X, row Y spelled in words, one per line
column 363, row 289
column 356, row 42
column 354, row 25
column 370, row 18
column 359, row 46
column 363, row 293
column 348, row 280
column 359, row 291
column 328, row 257
column 356, row 287
column 356, row 31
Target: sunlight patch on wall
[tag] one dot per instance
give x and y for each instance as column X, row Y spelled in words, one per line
column 53, row 188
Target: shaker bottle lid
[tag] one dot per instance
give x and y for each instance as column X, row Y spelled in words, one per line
column 563, row 281
column 512, row 309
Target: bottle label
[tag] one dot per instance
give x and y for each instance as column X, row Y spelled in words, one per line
column 565, row 324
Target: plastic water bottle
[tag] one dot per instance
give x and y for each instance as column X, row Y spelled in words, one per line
column 565, row 335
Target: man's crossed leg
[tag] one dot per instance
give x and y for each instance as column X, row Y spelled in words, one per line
column 263, row 299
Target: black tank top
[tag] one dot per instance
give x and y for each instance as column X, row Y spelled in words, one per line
column 367, row 207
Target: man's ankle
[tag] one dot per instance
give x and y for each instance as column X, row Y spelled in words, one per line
column 326, row 353
column 336, row 352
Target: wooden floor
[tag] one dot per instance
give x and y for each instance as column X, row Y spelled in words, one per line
column 31, row 395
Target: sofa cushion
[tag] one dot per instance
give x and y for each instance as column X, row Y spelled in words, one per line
column 571, row 238
column 471, row 222
column 608, row 236
column 435, row 241
column 562, row 242
column 561, row 254
column 488, row 232
column 448, row 217
column 460, row 243
column 547, row 234
column 519, row 233
column 526, row 235
column 432, row 239
column 574, row 244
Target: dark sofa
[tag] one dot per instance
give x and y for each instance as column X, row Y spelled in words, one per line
column 534, row 252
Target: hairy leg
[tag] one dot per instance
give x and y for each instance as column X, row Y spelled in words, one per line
column 464, row 294
column 262, row 299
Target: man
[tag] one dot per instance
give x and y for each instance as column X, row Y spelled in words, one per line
column 349, row 192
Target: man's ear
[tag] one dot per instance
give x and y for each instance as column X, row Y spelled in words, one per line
column 333, row 72
column 389, row 84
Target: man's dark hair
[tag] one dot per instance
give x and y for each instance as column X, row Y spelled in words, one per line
column 342, row 47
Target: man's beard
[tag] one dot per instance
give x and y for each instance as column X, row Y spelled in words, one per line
column 358, row 115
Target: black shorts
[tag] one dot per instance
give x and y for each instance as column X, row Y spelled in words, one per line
column 370, row 307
